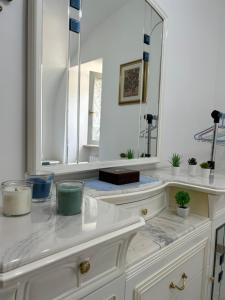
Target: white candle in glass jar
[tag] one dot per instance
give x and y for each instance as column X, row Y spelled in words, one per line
column 16, row 200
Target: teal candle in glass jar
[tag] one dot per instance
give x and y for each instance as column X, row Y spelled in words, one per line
column 69, row 197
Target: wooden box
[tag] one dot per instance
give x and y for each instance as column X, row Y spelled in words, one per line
column 119, row 176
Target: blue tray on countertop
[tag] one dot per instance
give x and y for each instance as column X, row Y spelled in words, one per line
column 105, row 186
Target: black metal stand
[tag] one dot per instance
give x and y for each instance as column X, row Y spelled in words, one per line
column 149, row 118
column 216, row 115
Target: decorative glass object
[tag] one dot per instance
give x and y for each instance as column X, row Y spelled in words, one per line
column 69, row 197
column 42, row 185
column 17, row 198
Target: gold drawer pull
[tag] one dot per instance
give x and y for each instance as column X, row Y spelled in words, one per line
column 85, row 267
column 174, row 286
column 144, row 212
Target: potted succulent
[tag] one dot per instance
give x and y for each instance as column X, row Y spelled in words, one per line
column 175, row 163
column 130, row 154
column 182, row 199
column 205, row 167
column 192, row 166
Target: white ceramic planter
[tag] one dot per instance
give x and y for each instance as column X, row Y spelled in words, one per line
column 183, row 212
column 192, row 169
column 205, row 173
column 175, row 171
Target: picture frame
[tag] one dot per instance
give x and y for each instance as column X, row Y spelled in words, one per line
column 133, row 82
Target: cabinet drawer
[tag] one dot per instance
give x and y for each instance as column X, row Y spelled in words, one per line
column 148, row 208
column 75, row 272
column 112, row 291
column 8, row 294
column 166, row 283
column 102, row 263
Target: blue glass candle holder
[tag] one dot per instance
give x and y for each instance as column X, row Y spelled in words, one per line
column 42, row 186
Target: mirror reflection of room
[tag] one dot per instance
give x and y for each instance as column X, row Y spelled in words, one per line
column 107, row 85
column 111, row 34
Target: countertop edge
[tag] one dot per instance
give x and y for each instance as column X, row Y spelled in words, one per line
column 7, row 277
column 174, row 183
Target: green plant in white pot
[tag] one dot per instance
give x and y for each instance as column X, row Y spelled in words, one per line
column 205, row 167
column 182, row 199
column 175, row 162
column 192, row 166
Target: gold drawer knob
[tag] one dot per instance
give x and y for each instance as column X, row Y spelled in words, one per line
column 85, row 267
column 144, row 212
column 179, row 288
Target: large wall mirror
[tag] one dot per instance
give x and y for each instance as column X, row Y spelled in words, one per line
column 95, row 82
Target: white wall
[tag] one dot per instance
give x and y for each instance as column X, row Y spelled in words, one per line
column 192, row 46
column 190, row 79
column 54, row 79
column 12, row 89
column 86, row 68
column 220, row 83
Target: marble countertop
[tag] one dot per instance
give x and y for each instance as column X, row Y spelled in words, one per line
column 160, row 232
column 162, row 177
column 43, row 233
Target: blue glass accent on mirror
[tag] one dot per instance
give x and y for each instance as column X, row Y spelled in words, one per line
column 75, row 4
column 147, row 39
column 74, row 25
column 145, row 56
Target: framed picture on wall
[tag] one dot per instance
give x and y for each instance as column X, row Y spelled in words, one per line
column 131, row 82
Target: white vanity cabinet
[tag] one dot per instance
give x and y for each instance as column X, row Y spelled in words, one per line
column 177, row 270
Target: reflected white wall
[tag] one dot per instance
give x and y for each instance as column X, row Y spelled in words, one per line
column 154, row 28
column 118, row 39
column 54, row 78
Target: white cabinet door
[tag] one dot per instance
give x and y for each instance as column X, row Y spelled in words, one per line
column 170, row 284
column 161, row 290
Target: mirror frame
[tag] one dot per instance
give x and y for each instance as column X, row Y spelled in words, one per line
column 34, row 98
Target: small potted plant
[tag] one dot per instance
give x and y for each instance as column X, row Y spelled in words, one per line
column 123, row 155
column 175, row 163
column 192, row 166
column 130, row 154
column 182, row 199
column 205, row 167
